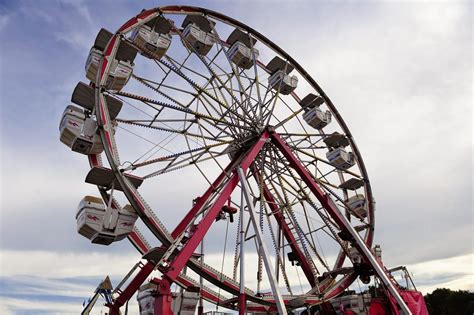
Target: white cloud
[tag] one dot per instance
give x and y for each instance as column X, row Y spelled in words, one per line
column 16, row 306
column 4, row 20
column 51, row 264
column 460, row 269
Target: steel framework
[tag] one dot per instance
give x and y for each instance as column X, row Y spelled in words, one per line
column 202, row 105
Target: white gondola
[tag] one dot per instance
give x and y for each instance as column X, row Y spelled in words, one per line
column 184, row 303
column 198, row 40
column 377, row 252
column 242, row 56
column 358, row 205
column 336, row 140
column 340, row 159
column 121, row 67
column 79, row 132
column 357, row 303
column 241, row 51
column 102, row 224
column 125, row 222
column 282, row 82
column 119, row 74
column 149, row 38
column 95, row 54
column 197, row 34
column 355, row 256
column 92, row 63
column 280, row 78
column 317, row 118
column 146, row 299
column 71, row 124
column 90, row 216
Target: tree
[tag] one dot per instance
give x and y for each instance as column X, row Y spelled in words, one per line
column 447, row 302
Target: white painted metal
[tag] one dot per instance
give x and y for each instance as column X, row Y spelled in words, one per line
column 317, row 118
column 357, row 303
column 242, row 55
column 92, row 63
column 146, row 300
column 282, row 82
column 263, row 248
column 151, row 40
column 185, row 302
column 103, row 224
column 197, row 39
column 340, row 158
column 358, row 205
column 119, row 74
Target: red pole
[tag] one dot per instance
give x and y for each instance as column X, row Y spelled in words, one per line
column 200, row 202
column 164, row 298
column 163, row 301
column 327, row 202
column 131, row 288
column 323, row 198
column 242, row 304
column 188, row 249
column 286, row 231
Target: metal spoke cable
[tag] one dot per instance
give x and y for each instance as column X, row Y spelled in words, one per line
column 213, row 73
column 175, row 155
column 181, row 132
column 203, row 91
column 279, row 257
column 234, row 73
column 293, row 219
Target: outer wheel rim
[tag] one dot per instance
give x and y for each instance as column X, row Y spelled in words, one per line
column 107, row 137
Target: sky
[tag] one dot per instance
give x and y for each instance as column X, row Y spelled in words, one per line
column 399, row 72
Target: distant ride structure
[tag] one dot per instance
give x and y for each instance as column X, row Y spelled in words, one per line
column 191, row 107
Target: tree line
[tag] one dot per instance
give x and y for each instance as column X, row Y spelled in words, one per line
column 447, row 302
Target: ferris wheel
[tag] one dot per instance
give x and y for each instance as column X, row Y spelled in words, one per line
column 223, row 162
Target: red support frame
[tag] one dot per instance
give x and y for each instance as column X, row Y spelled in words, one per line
column 188, row 249
column 131, row 288
column 323, row 198
column 163, row 300
column 327, row 202
column 200, row 202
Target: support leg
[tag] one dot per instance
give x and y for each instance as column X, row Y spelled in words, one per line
column 164, row 298
column 327, row 202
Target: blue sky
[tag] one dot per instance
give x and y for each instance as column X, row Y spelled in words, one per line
column 399, row 72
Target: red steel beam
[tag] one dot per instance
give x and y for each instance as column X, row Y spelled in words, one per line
column 148, row 268
column 163, row 300
column 290, row 238
column 188, row 249
column 132, row 287
column 323, row 198
column 327, row 202
column 200, row 202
